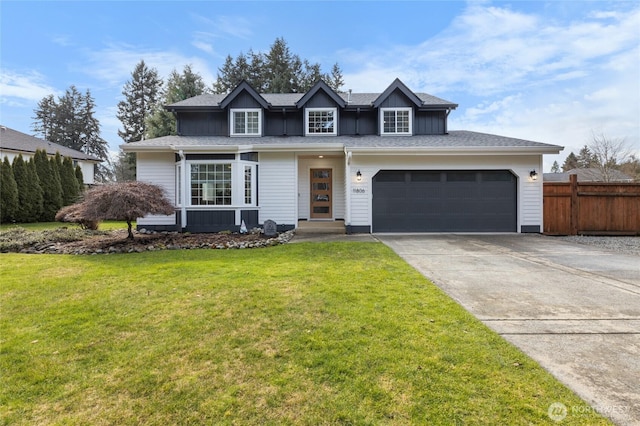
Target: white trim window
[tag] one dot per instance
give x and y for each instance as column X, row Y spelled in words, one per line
column 396, row 121
column 246, row 122
column 321, row 121
column 211, row 184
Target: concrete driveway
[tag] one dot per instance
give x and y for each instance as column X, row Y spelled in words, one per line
column 573, row 308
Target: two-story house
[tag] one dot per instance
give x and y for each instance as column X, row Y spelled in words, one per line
column 380, row 162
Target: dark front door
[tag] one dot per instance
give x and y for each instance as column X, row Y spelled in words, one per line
column 321, row 194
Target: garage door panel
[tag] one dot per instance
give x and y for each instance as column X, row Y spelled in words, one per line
column 444, row 201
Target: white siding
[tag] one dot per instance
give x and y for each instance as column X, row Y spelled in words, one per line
column 158, row 169
column 529, row 192
column 277, row 188
column 304, row 186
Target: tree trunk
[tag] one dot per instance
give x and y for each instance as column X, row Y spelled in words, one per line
column 130, row 236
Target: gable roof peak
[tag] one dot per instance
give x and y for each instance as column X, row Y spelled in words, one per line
column 321, row 85
column 244, row 86
column 397, row 85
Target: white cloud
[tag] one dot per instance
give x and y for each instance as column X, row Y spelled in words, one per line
column 16, row 87
column 114, row 63
column 527, row 75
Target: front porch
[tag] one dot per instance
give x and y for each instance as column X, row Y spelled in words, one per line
column 310, row 227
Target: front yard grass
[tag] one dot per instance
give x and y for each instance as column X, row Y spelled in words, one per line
column 308, row 333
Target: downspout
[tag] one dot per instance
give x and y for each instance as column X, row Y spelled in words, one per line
column 347, row 174
column 183, row 190
column 284, row 122
column 446, row 121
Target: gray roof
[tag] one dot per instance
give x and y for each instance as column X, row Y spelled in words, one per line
column 460, row 140
column 21, row 143
column 290, row 100
column 587, row 175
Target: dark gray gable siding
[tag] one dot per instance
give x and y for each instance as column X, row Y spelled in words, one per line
column 289, row 124
column 396, row 99
column 364, row 122
column 321, row 100
column 429, row 123
column 244, row 100
column 203, row 124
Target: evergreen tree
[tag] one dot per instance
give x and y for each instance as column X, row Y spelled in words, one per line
column 80, row 179
column 70, row 122
column 68, row 181
column 586, row 158
column 278, row 71
column 555, row 168
column 570, row 163
column 179, row 87
column 34, row 191
column 29, row 191
column 45, row 118
column 142, row 94
column 8, row 193
column 50, row 183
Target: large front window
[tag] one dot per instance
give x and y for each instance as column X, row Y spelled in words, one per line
column 395, row 121
column 320, row 121
column 245, row 122
column 211, row 184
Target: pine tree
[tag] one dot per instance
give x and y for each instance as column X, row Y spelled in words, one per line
column 8, row 193
column 179, row 87
column 586, row 158
column 570, row 163
column 278, row 71
column 555, row 168
column 70, row 122
column 68, row 181
column 51, row 190
column 141, row 95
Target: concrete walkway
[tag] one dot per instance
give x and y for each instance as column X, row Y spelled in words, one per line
column 575, row 309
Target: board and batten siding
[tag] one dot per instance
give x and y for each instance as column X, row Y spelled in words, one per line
column 529, row 197
column 158, row 169
column 337, row 188
column 277, row 190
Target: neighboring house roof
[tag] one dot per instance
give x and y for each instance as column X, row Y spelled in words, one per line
column 22, row 143
column 587, row 175
column 454, row 141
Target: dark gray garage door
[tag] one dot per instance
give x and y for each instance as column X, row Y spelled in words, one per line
column 444, row 201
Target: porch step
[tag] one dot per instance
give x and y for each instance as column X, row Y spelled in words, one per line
column 306, row 227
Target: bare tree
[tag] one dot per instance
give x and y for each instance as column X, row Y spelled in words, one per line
column 118, row 201
column 608, row 153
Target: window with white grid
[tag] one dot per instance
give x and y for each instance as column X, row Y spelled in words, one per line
column 246, row 122
column 321, row 121
column 395, row 121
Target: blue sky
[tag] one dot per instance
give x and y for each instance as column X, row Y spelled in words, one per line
column 551, row 72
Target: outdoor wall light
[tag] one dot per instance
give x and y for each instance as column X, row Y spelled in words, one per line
column 358, row 176
column 533, row 175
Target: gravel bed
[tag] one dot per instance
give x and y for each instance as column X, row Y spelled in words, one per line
column 627, row 245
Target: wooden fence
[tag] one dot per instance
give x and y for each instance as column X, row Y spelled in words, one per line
column 591, row 208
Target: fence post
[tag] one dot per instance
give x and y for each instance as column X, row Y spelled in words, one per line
column 575, row 205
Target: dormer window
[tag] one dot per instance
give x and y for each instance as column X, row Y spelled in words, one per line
column 246, row 122
column 321, row 121
column 395, row 121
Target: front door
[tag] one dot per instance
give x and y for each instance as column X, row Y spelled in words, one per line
column 321, row 196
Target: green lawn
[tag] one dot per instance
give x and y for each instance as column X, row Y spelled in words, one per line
column 308, row 333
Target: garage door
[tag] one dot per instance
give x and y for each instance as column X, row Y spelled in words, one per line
column 444, row 201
